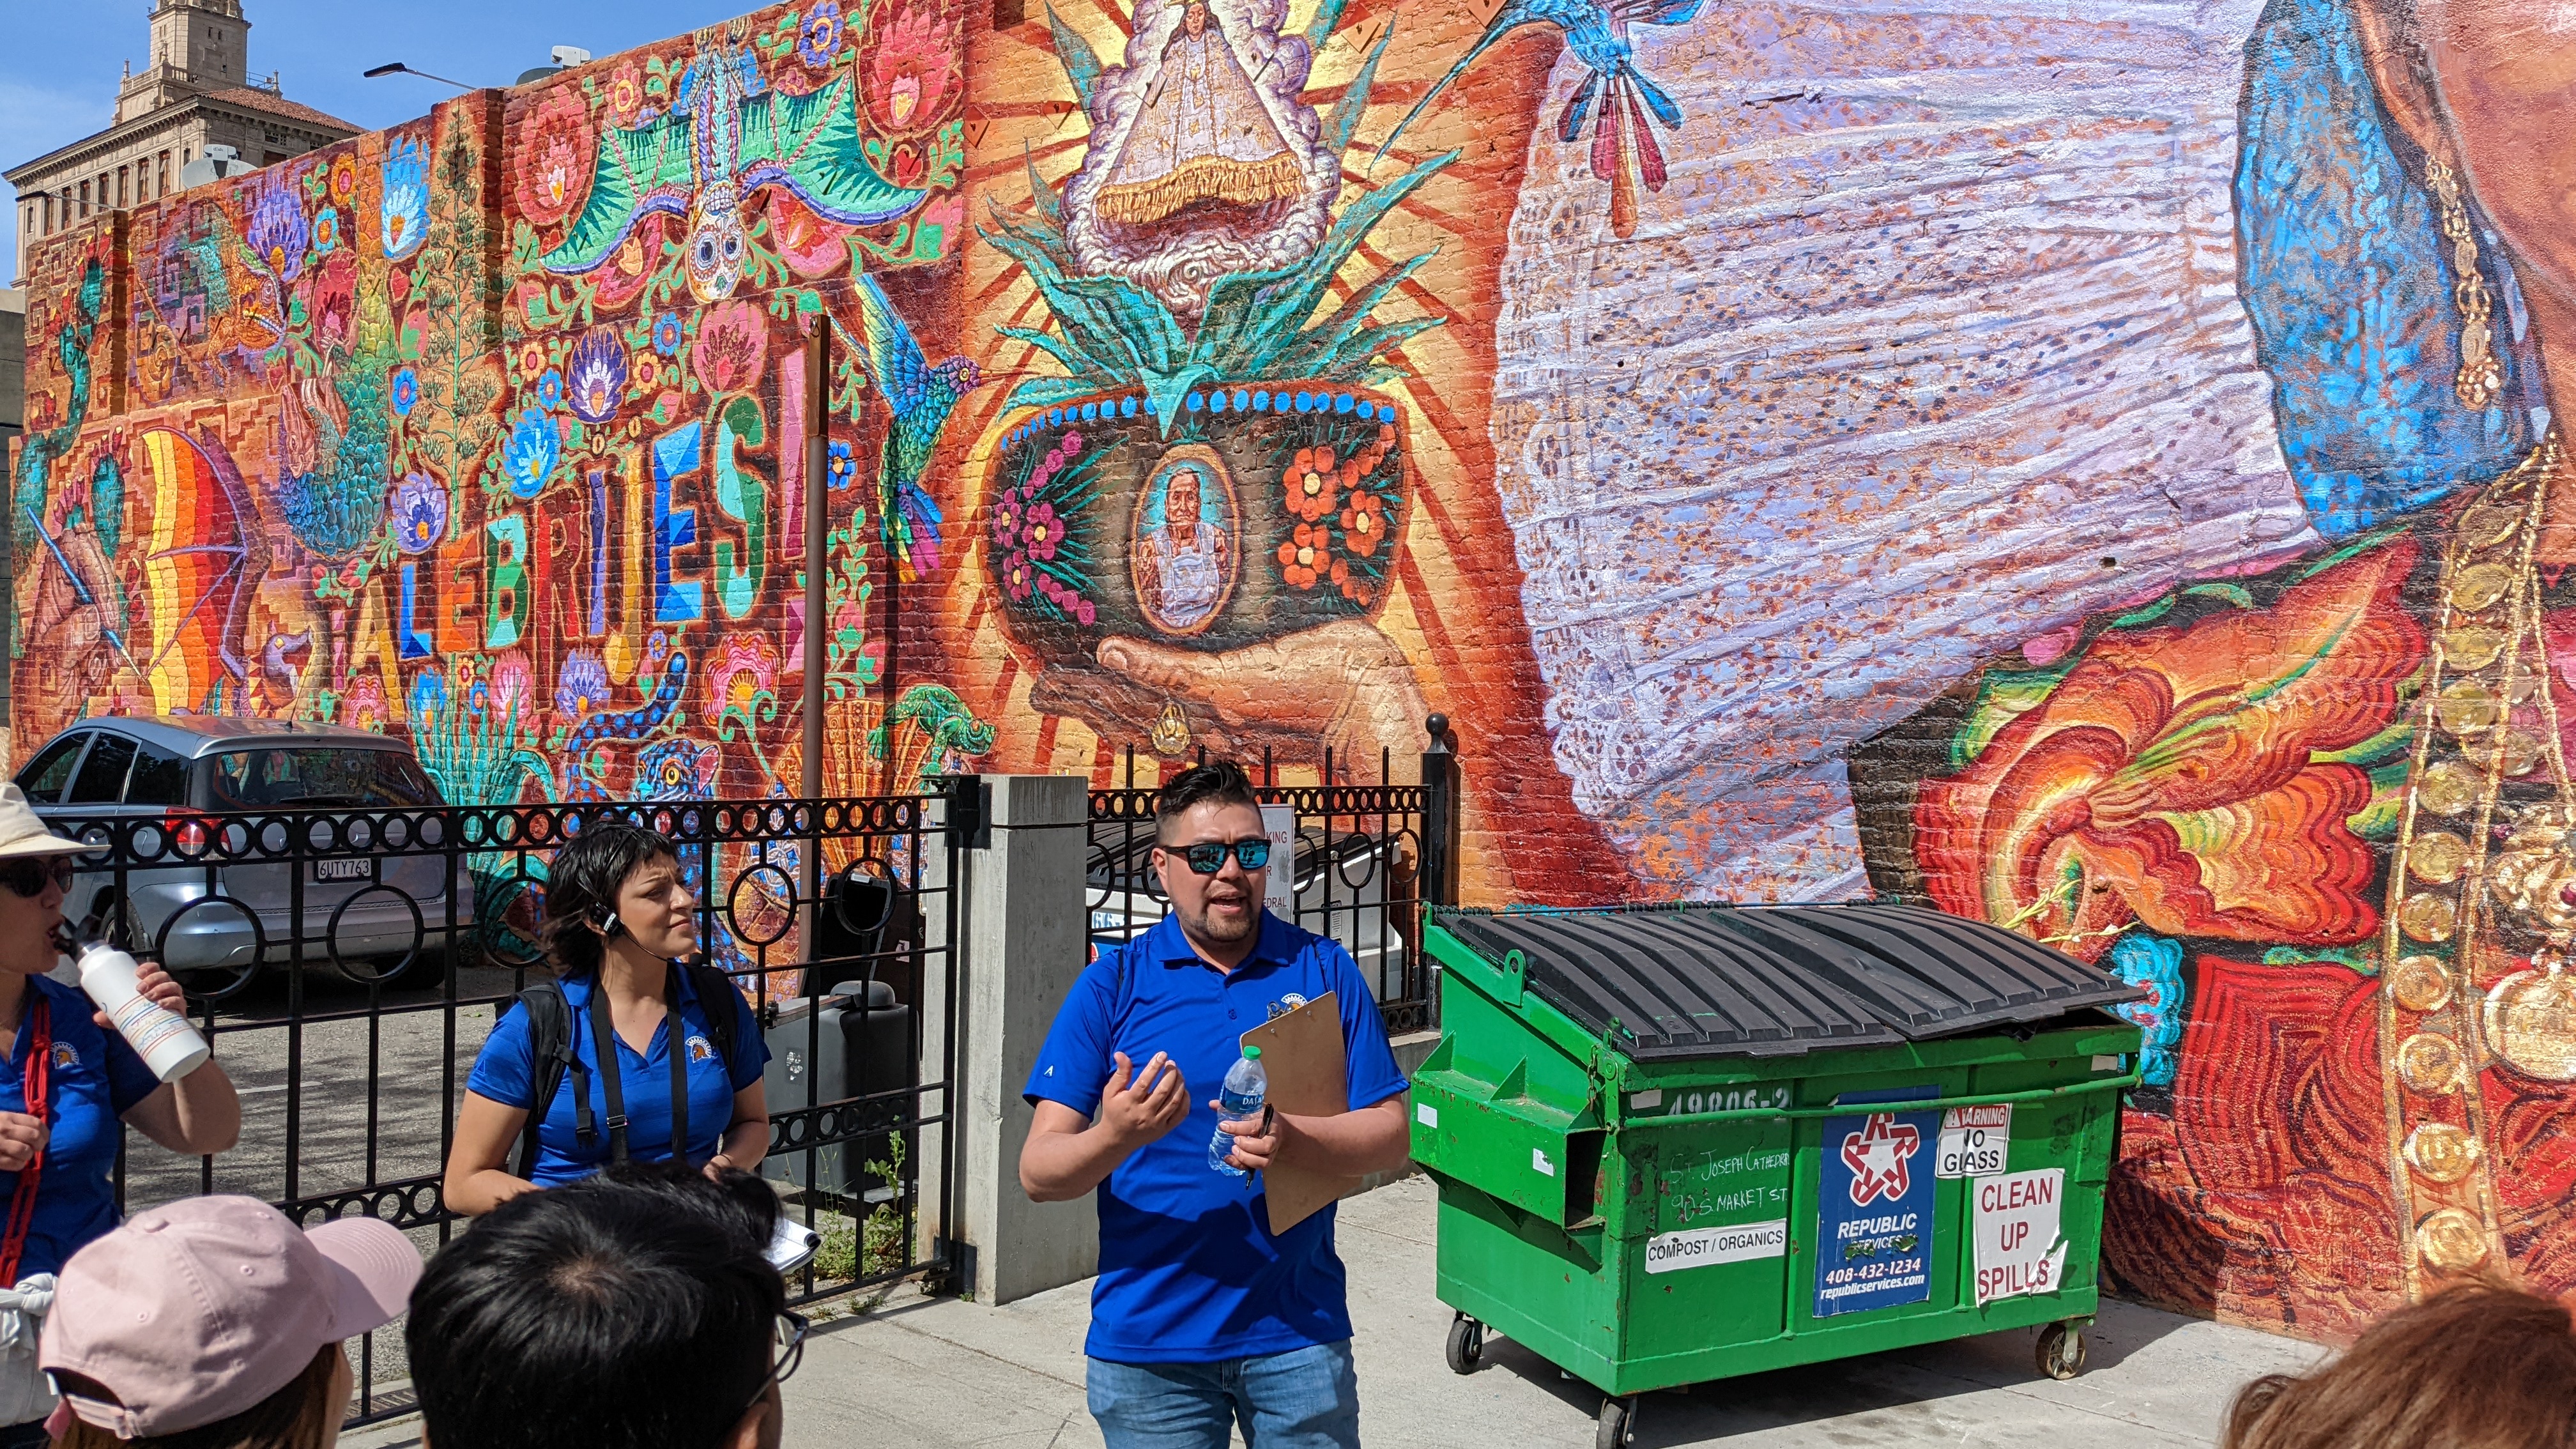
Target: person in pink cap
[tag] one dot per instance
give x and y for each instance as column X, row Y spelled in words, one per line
column 213, row 1323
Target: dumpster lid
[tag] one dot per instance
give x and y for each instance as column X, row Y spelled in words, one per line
column 1705, row 980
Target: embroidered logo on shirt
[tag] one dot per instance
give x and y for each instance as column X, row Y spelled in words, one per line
column 65, row 1055
column 701, row 1050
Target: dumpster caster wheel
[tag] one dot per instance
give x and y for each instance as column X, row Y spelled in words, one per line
column 1466, row 1345
column 1616, row 1426
column 2061, row 1350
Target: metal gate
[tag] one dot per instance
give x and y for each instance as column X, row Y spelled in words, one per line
column 347, row 965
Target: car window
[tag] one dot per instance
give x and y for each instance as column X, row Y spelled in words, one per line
column 316, row 776
column 159, row 778
column 101, row 780
column 45, row 777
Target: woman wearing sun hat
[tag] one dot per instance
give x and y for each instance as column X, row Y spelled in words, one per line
column 212, row 1323
column 57, row 1151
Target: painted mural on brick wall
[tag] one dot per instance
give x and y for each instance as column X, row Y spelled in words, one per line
column 2087, row 471
column 488, row 429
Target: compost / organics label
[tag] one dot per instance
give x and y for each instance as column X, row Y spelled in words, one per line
column 1705, row 1247
column 1874, row 1206
column 2019, row 1247
column 1975, row 1141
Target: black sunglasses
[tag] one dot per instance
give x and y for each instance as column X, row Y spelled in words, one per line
column 29, row 875
column 792, row 1328
column 1208, row 856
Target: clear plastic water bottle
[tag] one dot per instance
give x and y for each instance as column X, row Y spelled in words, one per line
column 1246, row 1084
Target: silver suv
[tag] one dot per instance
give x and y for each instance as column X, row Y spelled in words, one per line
column 355, row 908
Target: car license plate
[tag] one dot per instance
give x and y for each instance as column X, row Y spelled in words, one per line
column 358, row 868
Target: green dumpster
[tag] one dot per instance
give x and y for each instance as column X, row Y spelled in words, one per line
column 1676, row 1144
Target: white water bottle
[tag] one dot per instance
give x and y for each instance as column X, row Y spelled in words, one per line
column 162, row 1037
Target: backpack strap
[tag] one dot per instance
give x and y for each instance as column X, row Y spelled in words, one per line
column 713, row 989
column 550, row 1050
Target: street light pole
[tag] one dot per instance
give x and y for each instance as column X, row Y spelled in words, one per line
column 398, row 68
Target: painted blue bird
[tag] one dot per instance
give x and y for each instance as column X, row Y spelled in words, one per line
column 921, row 397
column 1624, row 150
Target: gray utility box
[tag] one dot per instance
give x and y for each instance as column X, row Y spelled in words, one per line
column 863, row 1044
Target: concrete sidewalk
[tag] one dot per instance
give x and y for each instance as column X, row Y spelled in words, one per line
column 941, row 1373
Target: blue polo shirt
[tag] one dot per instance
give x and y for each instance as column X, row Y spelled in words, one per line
column 1189, row 1269
column 95, row 1080
column 505, row 1071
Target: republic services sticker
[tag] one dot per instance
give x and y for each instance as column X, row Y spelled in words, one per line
column 1704, row 1247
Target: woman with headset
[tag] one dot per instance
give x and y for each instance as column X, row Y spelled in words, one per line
column 688, row 1051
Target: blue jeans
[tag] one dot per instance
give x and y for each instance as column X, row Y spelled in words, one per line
column 1307, row 1398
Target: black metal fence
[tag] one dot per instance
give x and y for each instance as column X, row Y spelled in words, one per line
column 1367, row 859
column 347, row 965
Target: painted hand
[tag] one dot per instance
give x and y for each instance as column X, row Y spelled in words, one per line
column 21, row 1138
column 1140, row 1106
column 1344, row 685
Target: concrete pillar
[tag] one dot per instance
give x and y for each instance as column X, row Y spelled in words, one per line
column 1022, row 934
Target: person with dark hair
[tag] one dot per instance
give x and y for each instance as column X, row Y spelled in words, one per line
column 1203, row 1319
column 686, row 1050
column 2478, row 1365
column 633, row 1310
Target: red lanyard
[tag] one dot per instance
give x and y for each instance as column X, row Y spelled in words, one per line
column 38, row 1075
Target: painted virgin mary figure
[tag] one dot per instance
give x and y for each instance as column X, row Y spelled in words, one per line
column 2323, row 809
column 1202, row 135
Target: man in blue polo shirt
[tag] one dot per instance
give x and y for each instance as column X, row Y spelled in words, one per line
column 1203, row 1318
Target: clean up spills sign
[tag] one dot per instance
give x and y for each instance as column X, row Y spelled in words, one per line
column 1874, row 1206
column 2019, row 1248
column 1975, row 1141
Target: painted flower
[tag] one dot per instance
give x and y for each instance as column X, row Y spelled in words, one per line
column 406, row 201
column 532, row 362
column 1043, row 531
column 535, row 448
column 2172, row 776
column 511, row 683
column 554, row 159
column 911, row 73
column 625, row 94
column 1364, row 524
column 550, row 390
column 581, row 686
column 364, row 707
column 733, row 346
column 406, row 391
column 1005, row 523
column 344, row 177
column 818, row 42
column 666, row 334
column 279, row 236
column 326, row 231
column 744, row 668
column 333, row 302
column 419, row 513
column 1018, row 578
column 904, row 166
column 842, row 465
column 2154, row 963
column 1307, row 555
column 1313, row 482
column 598, row 375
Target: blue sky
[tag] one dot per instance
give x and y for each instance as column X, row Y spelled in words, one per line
column 58, row 73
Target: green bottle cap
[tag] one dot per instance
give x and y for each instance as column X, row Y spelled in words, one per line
column 1252, row 1054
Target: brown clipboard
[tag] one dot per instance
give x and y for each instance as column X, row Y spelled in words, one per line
column 1302, row 1052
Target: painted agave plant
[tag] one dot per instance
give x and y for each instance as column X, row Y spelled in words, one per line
column 1109, row 333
